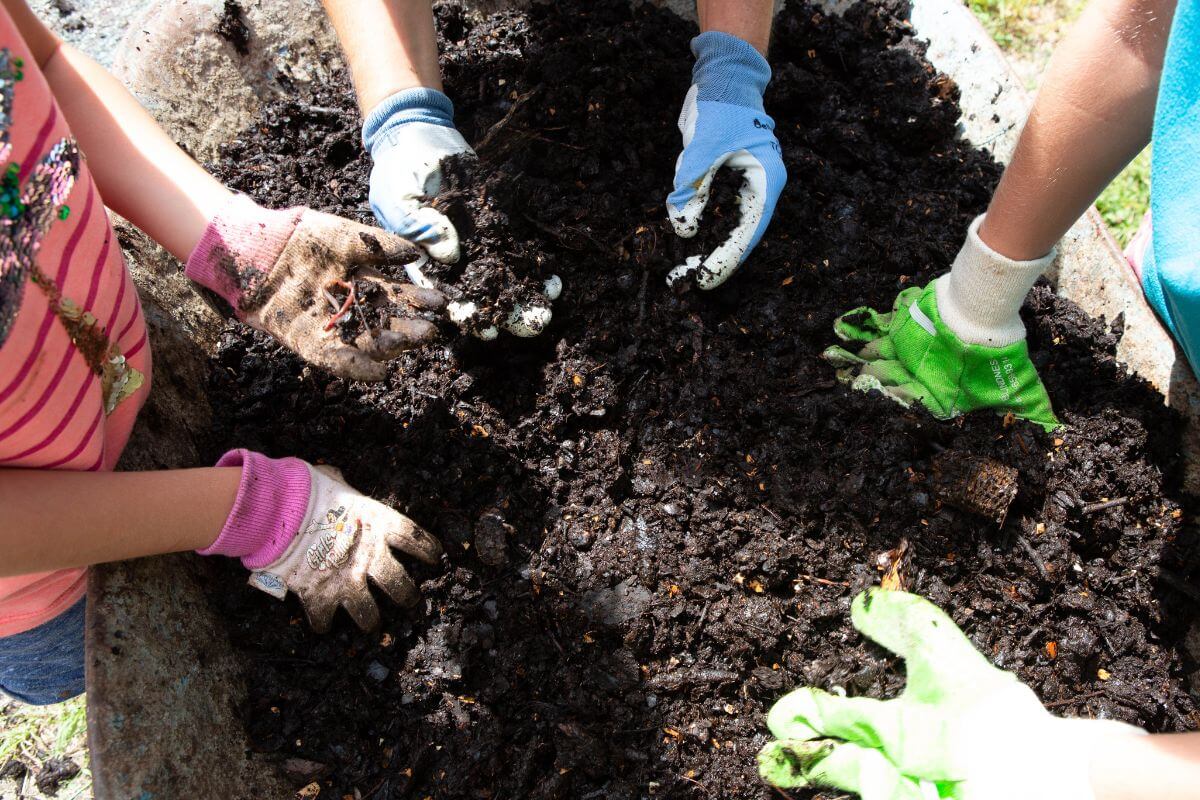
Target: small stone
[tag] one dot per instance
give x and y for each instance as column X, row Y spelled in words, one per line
column 491, row 535
column 54, row 772
column 377, row 672
column 489, row 608
column 301, row 770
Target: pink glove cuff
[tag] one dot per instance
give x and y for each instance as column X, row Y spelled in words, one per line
column 272, row 502
column 239, row 246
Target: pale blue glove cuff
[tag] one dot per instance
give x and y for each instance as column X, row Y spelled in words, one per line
column 411, row 105
column 729, row 70
column 729, row 79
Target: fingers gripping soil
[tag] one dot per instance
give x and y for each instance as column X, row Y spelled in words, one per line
column 317, row 292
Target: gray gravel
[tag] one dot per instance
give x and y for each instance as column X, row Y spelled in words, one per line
column 94, row 26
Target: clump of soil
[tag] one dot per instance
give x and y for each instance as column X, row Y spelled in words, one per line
column 232, row 27
column 656, row 513
column 502, row 265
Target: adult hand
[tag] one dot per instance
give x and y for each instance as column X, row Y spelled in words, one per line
column 911, row 355
column 298, row 275
column 408, row 135
column 724, row 125
column 961, row 729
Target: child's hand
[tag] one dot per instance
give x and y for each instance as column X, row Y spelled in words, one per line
column 961, row 729
column 408, row 135
column 302, row 529
column 911, row 355
column 302, row 276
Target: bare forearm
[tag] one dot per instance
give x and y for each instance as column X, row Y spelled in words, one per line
column 55, row 520
column 141, row 174
column 391, row 45
column 1093, row 114
column 749, row 20
column 1162, row 767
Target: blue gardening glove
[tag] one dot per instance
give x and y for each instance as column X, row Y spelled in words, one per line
column 724, row 125
column 408, row 135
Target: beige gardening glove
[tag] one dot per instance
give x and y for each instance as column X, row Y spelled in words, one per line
column 302, row 529
column 311, row 281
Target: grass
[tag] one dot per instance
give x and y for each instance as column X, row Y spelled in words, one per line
column 1126, row 199
column 31, row 735
column 1020, row 26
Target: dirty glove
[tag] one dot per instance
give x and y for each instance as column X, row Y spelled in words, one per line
column 408, row 134
column 961, row 729
column 911, row 355
column 291, row 274
column 301, row 529
column 724, row 125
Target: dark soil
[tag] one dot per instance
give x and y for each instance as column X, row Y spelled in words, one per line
column 53, row 773
column 656, row 513
column 232, row 27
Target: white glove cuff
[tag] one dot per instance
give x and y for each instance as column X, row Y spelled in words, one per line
column 980, row 299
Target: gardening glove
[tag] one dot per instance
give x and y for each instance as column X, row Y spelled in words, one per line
column 301, row 529
column 301, row 276
column 724, row 125
column 960, row 729
column 408, row 134
column 957, row 345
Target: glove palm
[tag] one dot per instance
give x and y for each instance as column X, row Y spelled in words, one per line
column 961, row 729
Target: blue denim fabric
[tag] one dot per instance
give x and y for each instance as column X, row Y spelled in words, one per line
column 45, row 665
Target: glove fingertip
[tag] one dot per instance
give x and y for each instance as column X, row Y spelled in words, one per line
column 446, row 250
column 320, row 619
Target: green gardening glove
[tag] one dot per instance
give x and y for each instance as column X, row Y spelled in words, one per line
column 961, row 729
column 911, row 355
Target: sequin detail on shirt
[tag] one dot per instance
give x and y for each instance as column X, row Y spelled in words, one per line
column 26, row 213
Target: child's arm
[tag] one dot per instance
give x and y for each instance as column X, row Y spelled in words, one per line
column 298, row 528
column 1094, row 113
column 391, row 46
column 56, row 520
column 280, row 270
column 140, row 172
column 1165, row 767
column 749, row 20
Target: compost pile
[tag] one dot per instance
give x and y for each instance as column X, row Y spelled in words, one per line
column 656, row 513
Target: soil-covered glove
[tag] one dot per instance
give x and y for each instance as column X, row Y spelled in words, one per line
column 724, row 125
column 911, row 355
column 408, row 134
column 961, row 729
column 293, row 273
column 301, row 529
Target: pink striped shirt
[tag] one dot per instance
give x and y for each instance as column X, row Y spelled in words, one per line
column 68, row 317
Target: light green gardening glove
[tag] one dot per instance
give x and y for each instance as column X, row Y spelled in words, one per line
column 961, row 729
column 912, row 355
